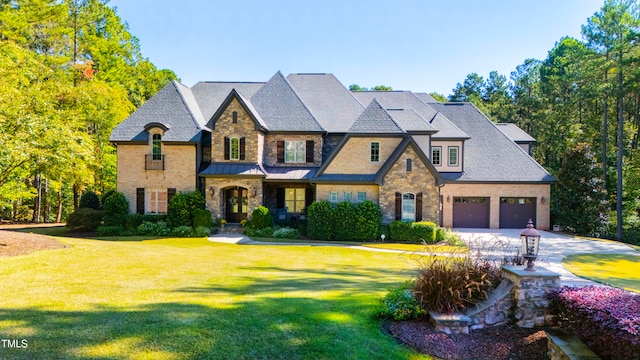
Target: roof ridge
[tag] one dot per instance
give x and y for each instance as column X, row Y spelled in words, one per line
column 301, row 101
column 374, row 103
column 186, row 104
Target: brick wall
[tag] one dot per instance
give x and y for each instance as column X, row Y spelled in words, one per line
column 271, row 149
column 355, row 156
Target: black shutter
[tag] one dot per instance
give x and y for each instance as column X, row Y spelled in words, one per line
column 140, row 200
column 170, row 193
column 308, row 197
column 398, row 206
column 280, row 152
column 242, row 153
column 227, row 148
column 419, row 207
column 309, row 152
column 280, row 198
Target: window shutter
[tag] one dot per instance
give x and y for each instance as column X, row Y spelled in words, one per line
column 280, row 152
column 170, row 193
column 309, row 152
column 308, row 198
column 280, row 198
column 242, row 153
column 140, row 200
column 419, row 207
column 227, row 148
column 398, row 206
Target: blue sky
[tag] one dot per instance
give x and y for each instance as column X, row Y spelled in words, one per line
column 423, row 46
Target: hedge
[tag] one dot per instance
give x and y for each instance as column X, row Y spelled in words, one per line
column 413, row 231
column 344, row 221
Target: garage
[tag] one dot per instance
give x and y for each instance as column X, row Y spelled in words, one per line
column 515, row 212
column 471, row 212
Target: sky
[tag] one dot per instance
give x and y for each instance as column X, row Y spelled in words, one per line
column 418, row 45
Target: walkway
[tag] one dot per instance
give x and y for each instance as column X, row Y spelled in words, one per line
column 553, row 247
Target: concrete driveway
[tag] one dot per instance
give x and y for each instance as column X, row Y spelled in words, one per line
column 553, row 248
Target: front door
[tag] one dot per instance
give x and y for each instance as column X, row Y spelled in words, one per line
column 236, row 204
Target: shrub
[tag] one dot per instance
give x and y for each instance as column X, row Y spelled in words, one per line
column 321, row 220
column 105, row 195
column 183, row 231
column 413, row 231
column 202, row 231
column 201, row 218
column 606, row 319
column 446, row 284
column 302, row 227
column 441, row 234
column 112, row 230
column 286, row 233
column 345, row 221
column 261, row 218
column 24, row 214
column 181, row 208
column 90, row 200
column 368, row 218
column 132, row 221
column 159, row 228
column 253, row 232
column 116, row 209
column 85, row 219
column 401, row 304
column 385, row 230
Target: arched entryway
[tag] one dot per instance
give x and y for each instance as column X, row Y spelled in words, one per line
column 235, row 204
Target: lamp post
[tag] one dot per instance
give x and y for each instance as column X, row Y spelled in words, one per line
column 530, row 238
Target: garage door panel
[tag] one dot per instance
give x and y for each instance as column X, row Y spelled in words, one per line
column 515, row 212
column 471, row 212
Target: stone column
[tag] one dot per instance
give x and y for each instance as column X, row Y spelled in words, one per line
column 530, row 290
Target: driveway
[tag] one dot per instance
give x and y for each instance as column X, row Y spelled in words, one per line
column 553, row 248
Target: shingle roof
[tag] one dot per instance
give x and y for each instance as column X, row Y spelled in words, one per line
column 446, row 129
column 174, row 107
column 210, row 94
column 489, row 155
column 426, row 98
column 375, row 120
column 330, row 102
column 514, row 133
column 397, row 100
column 281, row 108
column 410, row 121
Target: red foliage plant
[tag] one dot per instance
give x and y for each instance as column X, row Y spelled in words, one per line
column 606, row 319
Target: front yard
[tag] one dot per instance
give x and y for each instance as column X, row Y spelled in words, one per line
column 193, row 299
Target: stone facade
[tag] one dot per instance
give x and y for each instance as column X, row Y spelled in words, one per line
column 355, row 155
column 271, row 149
column 418, row 180
column 216, row 204
column 244, row 127
column 495, row 192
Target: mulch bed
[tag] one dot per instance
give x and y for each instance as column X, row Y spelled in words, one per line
column 13, row 243
column 494, row 343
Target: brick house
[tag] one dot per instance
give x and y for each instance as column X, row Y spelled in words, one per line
column 293, row 140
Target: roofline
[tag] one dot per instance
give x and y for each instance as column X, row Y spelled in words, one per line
column 225, row 104
column 296, row 132
column 360, row 182
column 497, row 182
column 184, row 101
column 408, row 141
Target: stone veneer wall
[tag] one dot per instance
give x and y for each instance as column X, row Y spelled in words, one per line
column 418, row 180
column 245, row 127
column 215, row 204
column 271, row 149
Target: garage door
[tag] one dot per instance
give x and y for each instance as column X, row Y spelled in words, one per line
column 515, row 212
column 471, row 212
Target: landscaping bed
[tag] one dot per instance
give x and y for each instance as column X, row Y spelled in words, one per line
column 13, row 243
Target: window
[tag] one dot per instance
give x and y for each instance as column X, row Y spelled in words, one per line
column 362, row 196
column 294, row 199
column 453, row 156
column 409, row 165
column 346, row 196
column 235, row 149
column 156, row 147
column 235, row 117
column 375, row 152
column 295, row 151
column 333, row 196
column 436, row 155
column 408, row 207
column 157, row 201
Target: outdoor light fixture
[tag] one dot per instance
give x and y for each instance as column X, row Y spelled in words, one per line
column 212, row 191
column 530, row 238
column 382, row 237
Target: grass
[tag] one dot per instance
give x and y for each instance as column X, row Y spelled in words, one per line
column 193, row 299
column 621, row 271
column 417, row 247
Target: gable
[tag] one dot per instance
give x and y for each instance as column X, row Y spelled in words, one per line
column 235, row 103
column 397, row 166
column 353, row 155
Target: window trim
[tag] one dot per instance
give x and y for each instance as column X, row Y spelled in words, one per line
column 344, row 196
column 374, row 153
column 439, row 149
column 231, row 145
column 362, row 196
column 413, row 200
column 295, row 200
column 296, row 159
column 333, row 197
column 151, row 204
column 156, row 147
column 457, row 156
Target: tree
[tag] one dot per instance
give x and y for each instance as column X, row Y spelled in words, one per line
column 356, row 87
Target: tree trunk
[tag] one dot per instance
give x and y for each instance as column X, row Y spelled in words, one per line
column 45, row 207
column 76, row 196
column 37, row 183
column 59, row 214
column 620, row 156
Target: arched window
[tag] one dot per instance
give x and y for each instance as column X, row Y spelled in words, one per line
column 156, row 147
column 408, row 207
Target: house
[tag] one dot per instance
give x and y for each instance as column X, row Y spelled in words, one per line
column 289, row 141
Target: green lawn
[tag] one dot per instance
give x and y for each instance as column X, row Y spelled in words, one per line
column 621, row 271
column 193, row 299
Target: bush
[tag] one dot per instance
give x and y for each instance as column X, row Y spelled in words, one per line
column 90, row 200
column 183, row 231
column 85, row 219
column 385, row 230
column 181, row 208
column 116, row 209
column 159, row 228
column 104, row 196
column 368, row 218
column 201, row 218
column 413, row 231
column 345, row 222
column 321, row 220
column 401, row 304
column 446, row 284
column 23, row 214
column 302, row 227
column 441, row 234
column 112, row 230
column 261, row 218
column 606, row 319
column 132, row 221
column 202, row 231
column 253, row 232
column 286, row 233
